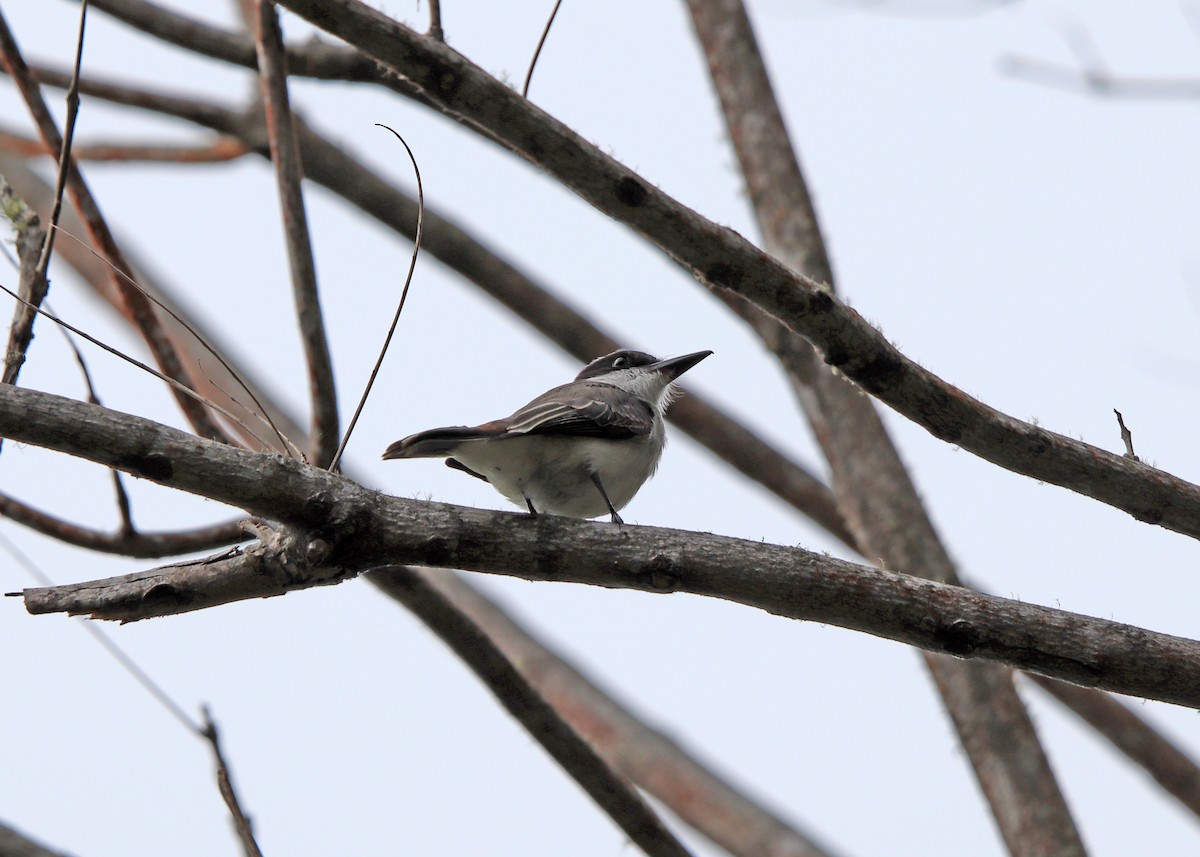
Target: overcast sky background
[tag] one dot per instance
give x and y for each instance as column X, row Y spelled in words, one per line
column 1034, row 246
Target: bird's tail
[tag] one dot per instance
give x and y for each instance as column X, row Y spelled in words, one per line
column 434, row 443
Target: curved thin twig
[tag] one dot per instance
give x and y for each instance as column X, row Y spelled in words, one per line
column 387, row 341
column 538, row 51
column 179, row 387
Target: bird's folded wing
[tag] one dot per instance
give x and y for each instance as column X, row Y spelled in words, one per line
column 598, row 410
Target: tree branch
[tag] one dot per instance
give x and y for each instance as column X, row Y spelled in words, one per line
column 617, row 797
column 285, row 156
column 335, row 528
column 874, row 491
column 32, row 285
column 724, row 259
column 657, row 764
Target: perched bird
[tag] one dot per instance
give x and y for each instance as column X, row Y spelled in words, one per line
column 581, row 450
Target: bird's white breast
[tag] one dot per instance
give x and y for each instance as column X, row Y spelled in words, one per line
column 555, row 473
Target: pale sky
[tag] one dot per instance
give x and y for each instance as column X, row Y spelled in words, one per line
column 1034, row 246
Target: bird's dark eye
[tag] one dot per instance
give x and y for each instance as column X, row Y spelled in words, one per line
column 620, row 363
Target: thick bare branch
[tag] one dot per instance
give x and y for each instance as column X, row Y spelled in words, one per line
column 347, row 529
column 724, row 259
column 285, row 155
column 873, row 488
column 606, row 787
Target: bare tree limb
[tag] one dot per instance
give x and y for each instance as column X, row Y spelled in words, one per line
column 1171, row 768
column 32, row 285
column 219, row 151
column 724, row 259
column 873, row 488
column 704, row 800
column 285, row 155
column 335, row 528
column 616, row 796
column 134, row 544
column 241, row 822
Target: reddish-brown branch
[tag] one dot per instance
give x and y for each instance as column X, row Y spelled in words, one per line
column 285, row 155
column 220, row 151
column 136, row 307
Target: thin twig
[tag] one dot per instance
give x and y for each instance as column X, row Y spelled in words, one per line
column 435, row 30
column 387, row 341
column 1126, row 436
column 176, row 385
column 127, row 663
column 225, row 783
column 538, row 51
column 64, row 156
column 123, row 508
column 285, row 154
column 220, row 151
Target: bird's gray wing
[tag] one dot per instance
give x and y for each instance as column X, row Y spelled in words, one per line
column 584, row 410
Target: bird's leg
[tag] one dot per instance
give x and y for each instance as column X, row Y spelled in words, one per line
column 529, row 505
column 616, row 519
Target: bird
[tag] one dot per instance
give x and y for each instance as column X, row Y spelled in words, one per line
column 580, row 450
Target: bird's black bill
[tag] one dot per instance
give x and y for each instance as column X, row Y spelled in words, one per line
column 673, row 367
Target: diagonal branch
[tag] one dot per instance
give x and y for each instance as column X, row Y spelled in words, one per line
column 651, row 759
column 335, row 528
column 874, row 491
column 605, row 786
column 725, row 260
column 135, row 305
column 285, row 155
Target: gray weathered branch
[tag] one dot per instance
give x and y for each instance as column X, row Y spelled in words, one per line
column 339, row 528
